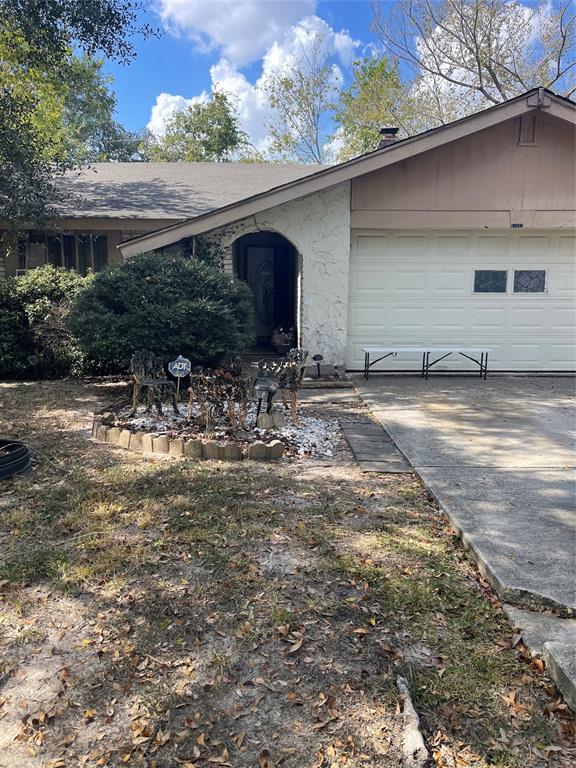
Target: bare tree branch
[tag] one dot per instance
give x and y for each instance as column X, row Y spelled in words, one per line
column 481, row 52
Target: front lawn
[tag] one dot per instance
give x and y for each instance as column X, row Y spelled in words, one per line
column 165, row 613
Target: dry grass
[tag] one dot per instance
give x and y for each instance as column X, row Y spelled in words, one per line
column 164, row 613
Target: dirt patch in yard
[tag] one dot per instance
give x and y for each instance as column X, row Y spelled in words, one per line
column 164, row 613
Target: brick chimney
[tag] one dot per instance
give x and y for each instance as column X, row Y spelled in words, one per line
column 387, row 136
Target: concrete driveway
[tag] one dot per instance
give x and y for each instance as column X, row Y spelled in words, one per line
column 499, row 456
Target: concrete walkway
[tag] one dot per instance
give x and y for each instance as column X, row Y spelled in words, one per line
column 499, row 455
column 372, row 447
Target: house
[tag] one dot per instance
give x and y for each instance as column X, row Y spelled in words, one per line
column 465, row 234
column 105, row 203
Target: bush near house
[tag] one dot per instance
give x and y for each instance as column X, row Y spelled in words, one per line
column 34, row 337
column 167, row 304
column 16, row 343
column 47, row 294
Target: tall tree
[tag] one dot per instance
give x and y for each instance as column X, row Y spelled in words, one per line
column 369, row 103
column 85, row 120
column 43, row 32
column 203, row 132
column 302, row 95
column 469, row 54
column 36, row 44
column 26, row 188
column 72, row 110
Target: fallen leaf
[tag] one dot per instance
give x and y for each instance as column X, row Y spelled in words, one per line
column 295, row 646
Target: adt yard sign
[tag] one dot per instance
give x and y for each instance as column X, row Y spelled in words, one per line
column 179, row 368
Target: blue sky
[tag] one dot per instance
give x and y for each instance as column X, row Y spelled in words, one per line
column 228, row 42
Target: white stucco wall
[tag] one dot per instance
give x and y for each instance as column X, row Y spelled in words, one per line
column 319, row 228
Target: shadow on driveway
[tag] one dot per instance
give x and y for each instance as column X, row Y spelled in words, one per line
column 499, row 457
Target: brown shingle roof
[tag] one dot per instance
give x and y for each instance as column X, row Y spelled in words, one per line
column 168, row 190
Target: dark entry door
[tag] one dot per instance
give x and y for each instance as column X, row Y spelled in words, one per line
column 260, row 277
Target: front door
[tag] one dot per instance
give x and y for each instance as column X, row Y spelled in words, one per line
column 260, row 277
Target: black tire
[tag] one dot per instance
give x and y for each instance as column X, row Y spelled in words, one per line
column 14, row 458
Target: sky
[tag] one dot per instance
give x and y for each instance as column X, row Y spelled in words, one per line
column 230, row 44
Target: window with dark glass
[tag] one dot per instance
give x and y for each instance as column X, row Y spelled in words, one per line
column 81, row 252
column 21, row 255
column 529, row 281
column 490, row 280
column 69, row 248
column 36, row 251
column 84, row 255
column 54, row 248
column 100, row 252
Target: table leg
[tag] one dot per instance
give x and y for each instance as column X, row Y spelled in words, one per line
column 485, row 365
column 366, row 364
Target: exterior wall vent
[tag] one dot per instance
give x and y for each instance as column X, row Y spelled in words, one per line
column 527, row 131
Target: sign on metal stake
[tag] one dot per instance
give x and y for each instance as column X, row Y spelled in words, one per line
column 179, row 368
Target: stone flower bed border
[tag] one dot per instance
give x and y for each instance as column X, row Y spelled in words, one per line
column 153, row 442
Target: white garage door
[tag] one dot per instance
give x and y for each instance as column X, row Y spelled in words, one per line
column 514, row 292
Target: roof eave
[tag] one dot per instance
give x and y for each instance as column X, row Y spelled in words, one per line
column 367, row 163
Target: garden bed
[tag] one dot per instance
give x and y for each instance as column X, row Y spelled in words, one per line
column 179, row 436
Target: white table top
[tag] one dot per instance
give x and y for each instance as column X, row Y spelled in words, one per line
column 422, row 350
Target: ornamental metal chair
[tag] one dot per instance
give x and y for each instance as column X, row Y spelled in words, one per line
column 148, row 371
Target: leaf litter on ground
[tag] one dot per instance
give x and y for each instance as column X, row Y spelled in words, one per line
column 164, row 613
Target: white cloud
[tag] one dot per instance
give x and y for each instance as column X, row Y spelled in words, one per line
column 302, row 38
column 165, row 106
column 249, row 98
column 250, row 101
column 299, row 40
column 345, row 46
column 241, row 29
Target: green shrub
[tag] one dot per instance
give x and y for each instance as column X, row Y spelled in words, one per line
column 46, row 294
column 34, row 338
column 16, row 340
column 167, row 304
column 42, row 288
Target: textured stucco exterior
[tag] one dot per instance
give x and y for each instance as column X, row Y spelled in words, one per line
column 318, row 226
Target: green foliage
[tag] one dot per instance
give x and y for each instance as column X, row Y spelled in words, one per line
column 42, row 32
column 204, row 132
column 45, row 294
column 167, row 304
column 34, row 336
column 368, row 104
column 55, row 107
column 16, row 342
column 39, row 289
column 208, row 251
column 71, row 109
column 77, row 111
column 26, row 186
